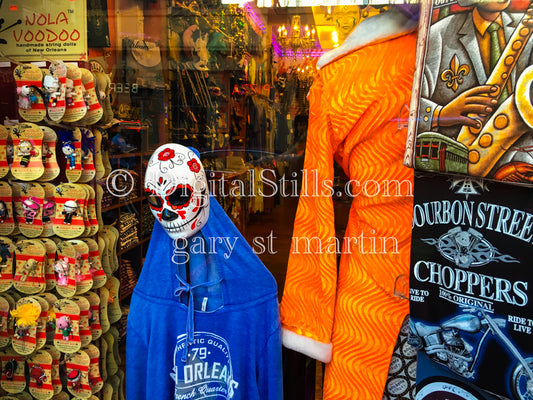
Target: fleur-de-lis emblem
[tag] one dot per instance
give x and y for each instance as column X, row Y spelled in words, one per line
column 453, row 76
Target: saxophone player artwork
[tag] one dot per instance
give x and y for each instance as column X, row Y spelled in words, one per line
column 472, row 106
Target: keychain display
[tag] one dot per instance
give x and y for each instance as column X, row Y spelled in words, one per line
column 103, row 363
column 49, row 273
column 7, row 217
column 28, row 198
column 111, row 361
column 54, row 371
column 54, row 301
column 70, row 209
column 94, row 109
column 95, row 267
column 27, row 141
column 103, row 245
column 64, row 269
column 84, row 209
column 5, row 339
column 55, row 90
column 83, row 278
column 88, row 170
column 107, row 390
column 67, row 335
column 13, row 379
column 76, row 107
column 25, row 151
column 78, row 375
column 27, row 97
column 71, row 148
column 99, row 196
column 4, row 166
column 94, row 314
column 68, row 221
column 116, row 353
column 92, row 207
column 51, row 167
column 121, row 376
column 51, row 299
column 10, row 152
column 29, row 270
column 85, row 326
column 113, row 310
column 103, row 85
column 31, row 207
column 28, row 78
column 98, row 162
column 112, row 235
column 10, row 321
column 52, row 91
column 104, row 301
column 105, row 152
column 40, row 367
column 26, row 315
column 40, row 336
column 95, row 380
column 7, row 249
column 70, row 153
column 49, row 208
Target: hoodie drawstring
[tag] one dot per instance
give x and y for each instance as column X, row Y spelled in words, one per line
column 186, row 288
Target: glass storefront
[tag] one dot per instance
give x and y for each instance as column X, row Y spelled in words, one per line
column 300, row 114
column 230, row 80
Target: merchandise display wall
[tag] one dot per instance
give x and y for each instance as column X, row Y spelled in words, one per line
column 271, row 257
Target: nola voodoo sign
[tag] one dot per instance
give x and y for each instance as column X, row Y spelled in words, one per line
column 31, row 30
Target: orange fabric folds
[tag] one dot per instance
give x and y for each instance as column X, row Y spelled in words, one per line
column 357, row 105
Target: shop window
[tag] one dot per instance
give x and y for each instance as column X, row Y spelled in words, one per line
column 230, row 80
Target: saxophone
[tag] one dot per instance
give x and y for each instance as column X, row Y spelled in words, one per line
column 514, row 116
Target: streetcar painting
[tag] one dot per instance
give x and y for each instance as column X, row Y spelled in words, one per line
column 437, row 152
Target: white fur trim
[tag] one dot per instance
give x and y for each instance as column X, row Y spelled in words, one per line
column 370, row 30
column 310, row 347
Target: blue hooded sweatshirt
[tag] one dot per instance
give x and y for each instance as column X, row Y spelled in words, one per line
column 204, row 319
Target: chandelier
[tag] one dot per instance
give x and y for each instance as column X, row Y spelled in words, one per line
column 296, row 39
column 306, row 72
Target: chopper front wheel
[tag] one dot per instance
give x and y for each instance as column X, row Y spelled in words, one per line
column 521, row 383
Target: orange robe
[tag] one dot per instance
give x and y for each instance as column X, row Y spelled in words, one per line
column 350, row 314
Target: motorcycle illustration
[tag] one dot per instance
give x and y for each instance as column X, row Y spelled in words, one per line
column 443, row 344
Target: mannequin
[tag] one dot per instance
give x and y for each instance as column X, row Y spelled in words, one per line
column 349, row 317
column 345, row 18
column 192, row 329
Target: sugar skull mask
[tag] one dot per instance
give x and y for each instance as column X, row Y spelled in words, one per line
column 177, row 191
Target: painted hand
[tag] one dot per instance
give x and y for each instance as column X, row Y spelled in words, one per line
column 463, row 109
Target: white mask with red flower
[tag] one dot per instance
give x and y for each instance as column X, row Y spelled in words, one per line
column 177, row 190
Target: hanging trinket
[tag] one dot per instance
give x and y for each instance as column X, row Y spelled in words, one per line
column 30, row 209
column 27, row 97
column 65, row 326
column 61, row 268
column 25, row 152
column 26, row 316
